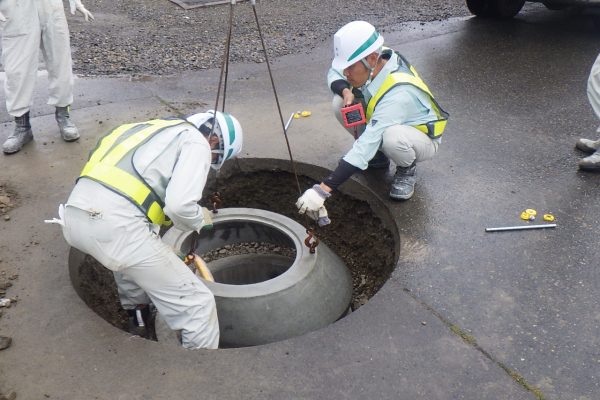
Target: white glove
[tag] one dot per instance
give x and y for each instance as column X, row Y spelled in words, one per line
column 77, row 5
column 320, row 216
column 312, row 200
column 2, row 17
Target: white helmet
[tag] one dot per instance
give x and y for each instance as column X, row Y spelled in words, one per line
column 228, row 130
column 353, row 42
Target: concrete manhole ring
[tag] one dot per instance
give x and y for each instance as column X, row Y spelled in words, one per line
column 363, row 235
column 263, row 298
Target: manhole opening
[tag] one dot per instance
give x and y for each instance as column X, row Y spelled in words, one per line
column 248, row 262
column 357, row 235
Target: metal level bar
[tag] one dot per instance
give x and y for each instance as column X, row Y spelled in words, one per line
column 289, row 121
column 520, row 228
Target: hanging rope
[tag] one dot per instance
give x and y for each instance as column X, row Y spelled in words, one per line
column 287, row 141
column 311, row 241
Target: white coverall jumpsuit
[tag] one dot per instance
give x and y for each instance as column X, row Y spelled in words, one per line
column 593, row 88
column 109, row 227
column 31, row 26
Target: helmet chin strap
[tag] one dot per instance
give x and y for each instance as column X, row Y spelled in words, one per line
column 371, row 69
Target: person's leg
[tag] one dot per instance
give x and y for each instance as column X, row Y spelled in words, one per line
column 20, row 49
column 180, row 297
column 56, row 49
column 146, row 265
column 131, row 295
column 592, row 163
column 137, row 304
column 406, row 146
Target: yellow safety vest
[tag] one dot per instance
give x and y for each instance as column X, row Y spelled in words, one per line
column 110, row 164
column 433, row 129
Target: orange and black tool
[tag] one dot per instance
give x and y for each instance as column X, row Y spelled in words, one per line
column 353, row 115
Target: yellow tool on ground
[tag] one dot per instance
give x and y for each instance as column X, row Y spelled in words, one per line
column 529, row 214
column 299, row 114
column 549, row 217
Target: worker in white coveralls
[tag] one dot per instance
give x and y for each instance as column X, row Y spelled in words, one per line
column 592, row 162
column 402, row 120
column 29, row 26
column 141, row 176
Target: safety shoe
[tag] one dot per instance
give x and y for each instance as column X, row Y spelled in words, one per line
column 21, row 135
column 590, row 163
column 141, row 321
column 67, row 128
column 587, row 145
column 403, row 185
column 379, row 161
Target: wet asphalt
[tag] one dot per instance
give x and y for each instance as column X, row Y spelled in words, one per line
column 466, row 314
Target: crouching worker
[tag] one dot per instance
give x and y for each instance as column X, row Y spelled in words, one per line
column 397, row 116
column 141, row 176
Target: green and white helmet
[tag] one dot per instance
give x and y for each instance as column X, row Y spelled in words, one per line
column 228, row 130
column 353, row 42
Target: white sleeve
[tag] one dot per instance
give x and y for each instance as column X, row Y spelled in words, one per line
column 187, row 182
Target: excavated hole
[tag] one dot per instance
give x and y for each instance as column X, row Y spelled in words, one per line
column 356, row 235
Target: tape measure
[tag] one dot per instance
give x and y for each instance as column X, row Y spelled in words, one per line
column 529, row 214
column 302, row 114
column 549, row 217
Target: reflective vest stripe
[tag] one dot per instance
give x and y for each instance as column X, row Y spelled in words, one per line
column 433, row 128
column 120, row 180
column 102, row 166
column 107, row 142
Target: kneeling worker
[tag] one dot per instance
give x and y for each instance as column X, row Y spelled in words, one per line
column 141, row 176
column 403, row 121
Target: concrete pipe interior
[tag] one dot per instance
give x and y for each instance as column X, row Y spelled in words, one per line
column 362, row 234
column 265, row 254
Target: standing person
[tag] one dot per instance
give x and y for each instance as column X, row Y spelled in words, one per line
column 141, row 176
column 592, row 162
column 29, row 26
column 403, row 121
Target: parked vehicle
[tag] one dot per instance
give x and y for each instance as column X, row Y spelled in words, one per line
column 510, row 8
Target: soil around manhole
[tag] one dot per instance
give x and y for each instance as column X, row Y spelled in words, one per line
column 356, row 235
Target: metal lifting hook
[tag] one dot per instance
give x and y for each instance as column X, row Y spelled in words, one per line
column 216, row 202
column 312, row 245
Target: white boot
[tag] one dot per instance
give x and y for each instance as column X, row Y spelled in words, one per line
column 21, row 135
column 67, row 128
column 590, row 163
column 587, row 145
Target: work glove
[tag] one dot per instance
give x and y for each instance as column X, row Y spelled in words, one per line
column 320, row 216
column 207, row 222
column 312, row 200
column 77, row 5
column 2, row 17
